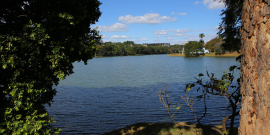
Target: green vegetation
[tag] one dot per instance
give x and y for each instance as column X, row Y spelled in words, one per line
column 181, row 128
column 215, row 45
column 210, row 45
column 217, row 87
column 39, row 41
column 209, row 55
column 193, row 48
column 229, row 28
column 228, row 40
column 176, row 49
column 222, row 55
column 130, row 48
column 176, row 55
column 201, row 36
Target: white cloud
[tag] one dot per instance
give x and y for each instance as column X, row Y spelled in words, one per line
column 214, row 4
column 110, row 40
column 179, row 35
column 183, row 35
column 119, row 37
column 177, row 32
column 103, row 37
column 197, row 2
column 216, row 28
column 179, row 13
column 179, row 42
column 149, row 18
column 182, row 13
column 161, row 32
column 182, row 31
column 202, row 30
column 114, row 27
column 143, row 39
column 170, row 39
column 183, row 38
column 140, row 39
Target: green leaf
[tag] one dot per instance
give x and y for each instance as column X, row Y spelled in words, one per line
column 18, row 116
column 188, row 88
column 4, row 66
column 200, row 75
column 178, row 108
column 28, row 51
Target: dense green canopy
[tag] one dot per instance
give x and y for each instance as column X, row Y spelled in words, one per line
column 215, row 45
column 39, row 40
column 192, row 48
column 230, row 26
column 129, row 48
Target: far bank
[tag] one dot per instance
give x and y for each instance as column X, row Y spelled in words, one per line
column 208, row 55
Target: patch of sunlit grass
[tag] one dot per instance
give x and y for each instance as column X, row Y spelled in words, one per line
column 182, row 128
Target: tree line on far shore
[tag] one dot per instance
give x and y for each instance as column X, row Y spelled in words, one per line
column 216, row 45
column 130, row 48
column 191, row 48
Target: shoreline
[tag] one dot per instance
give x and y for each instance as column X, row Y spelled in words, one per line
column 207, row 55
column 128, row 55
column 180, row 55
column 168, row 129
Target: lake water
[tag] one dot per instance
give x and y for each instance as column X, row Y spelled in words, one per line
column 113, row 92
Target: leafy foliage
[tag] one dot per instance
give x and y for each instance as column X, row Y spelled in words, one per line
column 210, row 45
column 128, row 48
column 39, row 40
column 201, row 36
column 176, row 48
column 219, row 48
column 230, row 26
column 192, row 48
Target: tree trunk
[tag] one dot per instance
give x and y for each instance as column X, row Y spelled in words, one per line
column 255, row 72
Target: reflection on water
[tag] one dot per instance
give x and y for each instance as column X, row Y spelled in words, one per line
column 111, row 93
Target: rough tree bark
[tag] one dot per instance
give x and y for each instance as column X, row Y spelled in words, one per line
column 255, row 73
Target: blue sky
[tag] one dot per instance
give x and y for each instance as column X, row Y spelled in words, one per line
column 158, row 21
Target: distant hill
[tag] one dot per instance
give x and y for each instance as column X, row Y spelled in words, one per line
column 213, row 44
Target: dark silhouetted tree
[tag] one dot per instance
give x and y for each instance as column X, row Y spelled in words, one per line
column 39, row 41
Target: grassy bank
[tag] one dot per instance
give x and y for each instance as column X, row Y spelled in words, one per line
column 176, row 55
column 129, row 55
column 208, row 55
column 222, row 55
column 168, row 129
column 122, row 55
